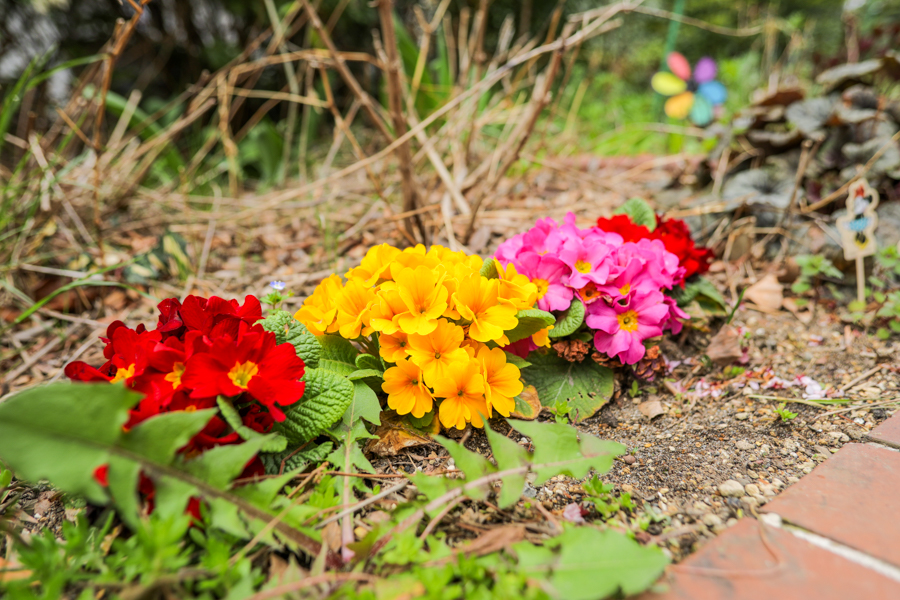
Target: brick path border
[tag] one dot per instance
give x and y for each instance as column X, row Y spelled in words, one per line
column 833, row 535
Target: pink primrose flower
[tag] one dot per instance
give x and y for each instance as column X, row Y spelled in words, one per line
column 548, row 273
column 621, row 327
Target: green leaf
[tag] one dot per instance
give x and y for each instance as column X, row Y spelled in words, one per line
column 338, row 355
column 569, row 320
column 639, row 212
column 365, row 405
column 62, row 432
column 508, row 455
column 364, row 374
column 327, row 396
column 489, row 268
column 294, row 460
column 515, row 359
column 883, row 333
column 471, row 463
column 585, row 564
column 586, row 385
column 704, row 292
column 357, row 459
column 276, row 442
column 531, row 321
column 369, row 362
column 289, row 330
column 557, row 444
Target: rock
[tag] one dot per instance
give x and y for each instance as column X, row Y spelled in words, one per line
column 744, row 445
column 742, row 416
column 839, row 436
column 856, row 433
column 700, row 508
column 780, row 484
column 711, row 520
column 764, row 450
column 822, row 451
column 749, row 503
column 629, row 459
column 752, row 474
column 792, row 480
column 731, row 488
column 752, row 489
column 760, row 499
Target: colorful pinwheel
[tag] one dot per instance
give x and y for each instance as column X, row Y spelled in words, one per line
column 690, row 97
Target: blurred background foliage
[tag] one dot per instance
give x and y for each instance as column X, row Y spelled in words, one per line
column 608, row 87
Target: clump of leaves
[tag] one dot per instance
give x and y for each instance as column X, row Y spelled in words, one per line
column 41, row 437
column 605, row 501
column 812, row 268
column 784, row 413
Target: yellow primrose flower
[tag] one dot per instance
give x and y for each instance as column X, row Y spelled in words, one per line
column 411, row 258
column 406, row 391
column 392, row 348
column 435, row 352
column 425, row 299
column 353, row 309
column 477, row 301
column 387, row 305
column 542, row 337
column 501, row 381
column 515, row 287
column 472, row 347
column 376, row 265
column 318, row 311
column 463, row 393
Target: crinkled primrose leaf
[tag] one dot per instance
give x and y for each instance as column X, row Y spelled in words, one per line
column 586, row 385
column 288, row 329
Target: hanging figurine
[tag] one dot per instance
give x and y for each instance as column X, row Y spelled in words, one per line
column 857, row 229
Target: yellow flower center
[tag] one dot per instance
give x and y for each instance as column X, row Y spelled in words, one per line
column 175, row 376
column 628, row 321
column 437, row 355
column 582, row 266
column 625, row 289
column 241, row 373
column 190, row 408
column 125, row 373
column 542, row 286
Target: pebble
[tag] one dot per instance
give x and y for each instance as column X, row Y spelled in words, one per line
column 749, row 503
column 792, row 480
column 742, row 416
column 752, row 489
column 839, row 436
column 764, row 450
column 629, row 459
column 760, row 499
column 731, row 488
column 744, row 445
column 752, row 474
column 711, row 520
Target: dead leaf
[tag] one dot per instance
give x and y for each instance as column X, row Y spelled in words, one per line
column 331, row 535
column 803, row 315
column 767, row 294
column 725, row 347
column 651, row 408
column 528, row 405
column 395, row 434
column 12, row 570
column 493, row 540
